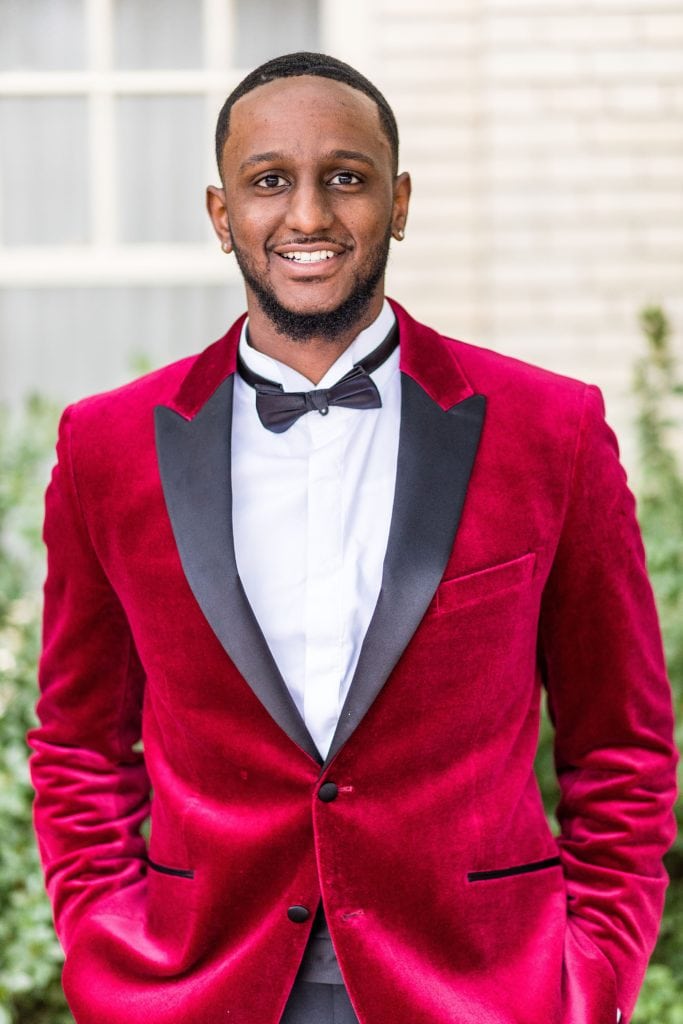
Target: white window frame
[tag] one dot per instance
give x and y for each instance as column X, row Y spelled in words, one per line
column 104, row 259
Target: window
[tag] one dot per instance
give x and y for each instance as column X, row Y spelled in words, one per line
column 107, row 113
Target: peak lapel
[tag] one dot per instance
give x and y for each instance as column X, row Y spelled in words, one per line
column 437, row 448
column 194, row 462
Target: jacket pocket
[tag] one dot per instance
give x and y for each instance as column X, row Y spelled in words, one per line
column 453, row 593
column 163, row 869
column 517, row 869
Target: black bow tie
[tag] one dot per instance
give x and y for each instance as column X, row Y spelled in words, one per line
column 279, row 409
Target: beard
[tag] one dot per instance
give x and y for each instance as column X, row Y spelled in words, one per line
column 329, row 324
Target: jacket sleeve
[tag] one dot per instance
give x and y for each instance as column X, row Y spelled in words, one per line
column 92, row 789
column 611, row 706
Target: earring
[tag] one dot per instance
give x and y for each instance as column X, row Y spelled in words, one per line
column 399, row 234
column 225, row 247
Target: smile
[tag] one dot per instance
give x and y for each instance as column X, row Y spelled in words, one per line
column 308, row 257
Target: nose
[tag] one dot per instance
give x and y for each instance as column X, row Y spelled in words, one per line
column 309, row 211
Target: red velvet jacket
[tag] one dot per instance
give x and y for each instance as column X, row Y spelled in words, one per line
column 514, row 563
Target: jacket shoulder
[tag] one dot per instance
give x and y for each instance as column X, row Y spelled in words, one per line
column 143, row 393
column 449, row 367
column 496, row 374
column 109, row 432
column 541, row 411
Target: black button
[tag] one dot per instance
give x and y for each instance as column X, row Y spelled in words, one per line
column 328, row 792
column 298, row 914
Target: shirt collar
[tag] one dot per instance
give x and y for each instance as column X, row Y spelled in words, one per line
column 292, row 380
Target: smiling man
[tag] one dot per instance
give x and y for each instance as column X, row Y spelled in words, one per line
column 311, row 199
column 325, row 571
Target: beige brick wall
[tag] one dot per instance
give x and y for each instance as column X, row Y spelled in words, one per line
column 545, row 139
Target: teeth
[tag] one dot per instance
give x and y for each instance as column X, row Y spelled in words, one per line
column 309, row 257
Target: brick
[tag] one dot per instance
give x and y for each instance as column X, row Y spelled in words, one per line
column 426, row 73
column 636, row 133
column 645, row 275
column 503, row 135
column 672, row 97
column 513, row 99
column 658, row 168
column 576, row 168
column 635, row 98
column 428, row 209
column 430, row 36
column 433, row 176
column 441, row 140
column 581, row 28
column 397, row 10
column 449, row 244
column 656, row 63
column 580, row 97
column 650, row 7
column 537, row 6
column 532, row 65
column 433, row 108
column 521, row 242
column 662, row 28
column 457, row 281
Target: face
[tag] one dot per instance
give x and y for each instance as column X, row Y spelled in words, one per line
column 309, row 204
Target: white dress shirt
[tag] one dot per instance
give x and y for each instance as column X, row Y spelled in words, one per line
column 311, row 514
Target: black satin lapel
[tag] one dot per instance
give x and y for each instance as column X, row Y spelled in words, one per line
column 435, row 458
column 194, row 463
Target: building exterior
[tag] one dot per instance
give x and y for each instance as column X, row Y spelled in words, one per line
column 545, row 140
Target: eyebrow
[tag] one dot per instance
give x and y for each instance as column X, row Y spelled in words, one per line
column 274, row 156
column 351, row 154
column 261, row 158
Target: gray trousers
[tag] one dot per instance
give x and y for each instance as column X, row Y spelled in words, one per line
column 313, row 1002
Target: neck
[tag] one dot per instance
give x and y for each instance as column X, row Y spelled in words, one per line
column 313, row 356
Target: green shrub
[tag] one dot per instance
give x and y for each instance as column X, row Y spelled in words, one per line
column 660, row 507
column 30, row 957
column 660, row 511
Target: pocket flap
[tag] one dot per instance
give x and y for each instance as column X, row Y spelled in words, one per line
column 453, row 593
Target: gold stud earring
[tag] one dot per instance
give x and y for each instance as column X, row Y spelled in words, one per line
column 225, row 247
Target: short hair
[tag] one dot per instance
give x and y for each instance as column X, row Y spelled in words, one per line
column 292, row 65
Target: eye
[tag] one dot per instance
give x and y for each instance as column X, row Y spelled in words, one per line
column 345, row 178
column 271, row 181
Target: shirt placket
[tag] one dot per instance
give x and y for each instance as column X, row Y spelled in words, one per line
column 324, row 589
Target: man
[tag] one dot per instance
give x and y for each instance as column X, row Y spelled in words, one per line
column 325, row 579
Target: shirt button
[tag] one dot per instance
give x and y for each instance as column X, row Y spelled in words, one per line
column 298, row 914
column 328, row 792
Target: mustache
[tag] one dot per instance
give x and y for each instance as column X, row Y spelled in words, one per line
column 311, row 240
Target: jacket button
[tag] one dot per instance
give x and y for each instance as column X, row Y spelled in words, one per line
column 298, row 914
column 328, row 792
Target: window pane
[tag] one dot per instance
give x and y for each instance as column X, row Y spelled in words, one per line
column 69, row 342
column 158, row 33
column 43, row 189
column 42, row 35
column 161, row 166
column 266, row 28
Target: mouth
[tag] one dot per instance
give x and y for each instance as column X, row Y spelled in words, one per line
column 306, row 256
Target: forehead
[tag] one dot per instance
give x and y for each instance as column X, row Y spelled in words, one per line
column 291, row 114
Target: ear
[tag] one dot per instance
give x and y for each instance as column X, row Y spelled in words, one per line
column 218, row 212
column 401, row 201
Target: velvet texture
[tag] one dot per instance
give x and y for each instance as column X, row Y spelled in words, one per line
column 545, row 586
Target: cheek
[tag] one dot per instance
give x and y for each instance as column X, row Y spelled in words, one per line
column 368, row 228
column 366, row 217
column 252, row 224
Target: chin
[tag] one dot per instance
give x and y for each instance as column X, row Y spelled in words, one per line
column 309, row 310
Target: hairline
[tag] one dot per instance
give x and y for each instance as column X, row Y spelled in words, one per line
column 387, row 120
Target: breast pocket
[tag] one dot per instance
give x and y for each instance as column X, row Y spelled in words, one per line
column 455, row 593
